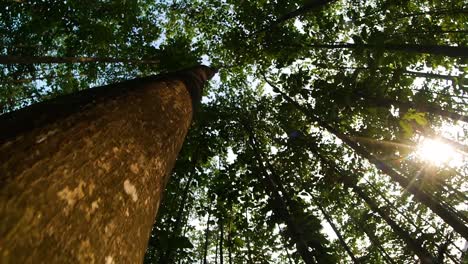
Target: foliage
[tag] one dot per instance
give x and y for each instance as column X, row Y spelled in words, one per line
column 268, row 156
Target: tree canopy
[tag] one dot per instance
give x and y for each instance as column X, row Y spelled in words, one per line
column 335, row 132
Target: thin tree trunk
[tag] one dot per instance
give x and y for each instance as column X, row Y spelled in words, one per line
column 230, row 234
column 249, row 249
column 415, row 246
column 427, row 75
column 426, row 107
column 282, row 208
column 438, row 12
column 375, row 241
column 284, row 246
column 448, row 12
column 82, row 176
column 207, row 232
column 337, row 232
column 429, row 32
column 216, row 249
column 419, row 194
column 221, row 237
column 449, row 51
column 10, row 59
column 312, row 5
column 47, row 78
column 167, row 258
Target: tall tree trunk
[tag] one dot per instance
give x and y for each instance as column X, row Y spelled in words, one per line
column 415, row 246
column 437, row 12
column 418, row 194
column 249, row 249
column 281, row 208
column 449, row 51
column 167, row 257
column 337, row 232
column 82, row 176
column 207, row 233
column 375, row 241
column 283, row 240
column 312, row 5
column 221, row 237
column 429, row 75
column 422, row 107
column 230, row 233
column 351, row 182
column 10, row 59
column 433, row 12
column 216, row 249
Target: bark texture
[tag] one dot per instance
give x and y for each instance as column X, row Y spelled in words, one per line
column 82, row 176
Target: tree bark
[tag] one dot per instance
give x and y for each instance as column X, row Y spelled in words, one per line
column 207, row 233
column 375, row 241
column 443, row 11
column 422, row 107
column 82, row 176
column 230, row 233
column 249, row 249
column 423, row 255
column 338, row 234
column 449, row 51
column 10, row 59
column 351, row 182
column 281, row 207
column 221, row 237
column 428, row 75
column 167, row 257
column 312, row 5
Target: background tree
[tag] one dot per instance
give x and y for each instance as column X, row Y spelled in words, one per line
column 384, row 75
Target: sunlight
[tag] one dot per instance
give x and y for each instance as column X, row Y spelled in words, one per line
column 435, row 152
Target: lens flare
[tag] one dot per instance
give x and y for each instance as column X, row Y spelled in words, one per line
column 435, row 152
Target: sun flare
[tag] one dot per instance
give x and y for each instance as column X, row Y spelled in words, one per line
column 436, row 153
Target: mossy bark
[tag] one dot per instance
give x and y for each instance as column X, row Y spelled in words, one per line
column 81, row 177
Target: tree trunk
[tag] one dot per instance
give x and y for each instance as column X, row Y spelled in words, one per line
column 443, row 11
column 375, row 241
column 82, row 176
column 306, row 8
column 207, row 233
column 337, row 232
column 281, row 206
column 167, row 258
column 221, row 237
column 449, row 51
column 351, row 182
column 249, row 249
column 421, row 107
column 429, row 75
column 415, row 246
column 230, row 246
column 421, row 196
column 9, row 59
column 283, row 240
